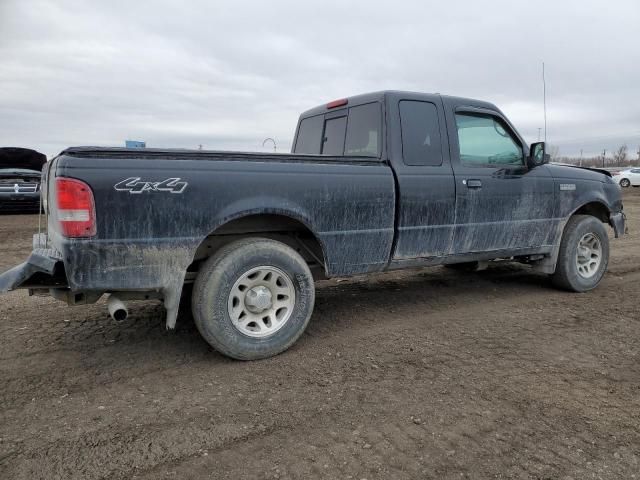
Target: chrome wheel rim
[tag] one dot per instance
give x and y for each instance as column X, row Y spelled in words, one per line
column 261, row 301
column 588, row 255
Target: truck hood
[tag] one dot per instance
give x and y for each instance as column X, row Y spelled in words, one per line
column 21, row 158
column 576, row 172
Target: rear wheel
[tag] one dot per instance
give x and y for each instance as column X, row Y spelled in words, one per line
column 253, row 298
column 583, row 255
column 625, row 182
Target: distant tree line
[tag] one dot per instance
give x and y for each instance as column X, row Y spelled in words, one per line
column 621, row 157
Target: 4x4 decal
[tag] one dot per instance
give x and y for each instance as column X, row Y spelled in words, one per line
column 136, row 185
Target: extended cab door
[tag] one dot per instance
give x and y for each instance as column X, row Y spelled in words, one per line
column 425, row 212
column 501, row 204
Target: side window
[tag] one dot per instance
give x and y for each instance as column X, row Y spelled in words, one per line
column 334, row 131
column 484, row 140
column 363, row 131
column 420, row 133
column 309, row 135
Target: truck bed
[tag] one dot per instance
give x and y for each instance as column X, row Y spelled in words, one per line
column 148, row 237
column 184, row 154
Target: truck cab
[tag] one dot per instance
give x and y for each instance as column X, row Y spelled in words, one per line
column 466, row 186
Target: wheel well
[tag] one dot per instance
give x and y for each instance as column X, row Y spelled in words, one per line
column 595, row 209
column 277, row 227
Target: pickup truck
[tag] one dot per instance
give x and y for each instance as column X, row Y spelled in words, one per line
column 374, row 182
column 20, row 179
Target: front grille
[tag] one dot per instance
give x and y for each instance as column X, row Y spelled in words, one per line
column 25, row 187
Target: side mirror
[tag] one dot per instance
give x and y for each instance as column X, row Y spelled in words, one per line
column 537, row 155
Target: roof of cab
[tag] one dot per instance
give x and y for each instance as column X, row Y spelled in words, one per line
column 381, row 95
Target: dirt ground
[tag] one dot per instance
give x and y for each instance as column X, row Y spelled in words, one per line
column 420, row 374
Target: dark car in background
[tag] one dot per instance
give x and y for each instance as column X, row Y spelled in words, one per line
column 20, row 179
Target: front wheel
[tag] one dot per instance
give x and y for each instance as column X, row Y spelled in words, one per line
column 625, row 182
column 253, row 298
column 583, row 255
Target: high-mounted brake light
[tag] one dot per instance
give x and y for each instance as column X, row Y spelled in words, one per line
column 76, row 209
column 337, row 103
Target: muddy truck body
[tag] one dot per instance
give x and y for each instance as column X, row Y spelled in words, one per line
column 375, row 182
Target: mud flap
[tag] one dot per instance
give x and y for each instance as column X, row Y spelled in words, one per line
column 619, row 223
column 42, row 261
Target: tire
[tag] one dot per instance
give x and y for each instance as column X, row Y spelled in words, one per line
column 625, row 183
column 273, row 318
column 577, row 269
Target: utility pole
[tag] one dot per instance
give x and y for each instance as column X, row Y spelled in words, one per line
column 638, row 152
column 604, row 154
column 580, row 157
column 544, row 99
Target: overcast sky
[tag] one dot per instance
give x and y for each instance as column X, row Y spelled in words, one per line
column 227, row 74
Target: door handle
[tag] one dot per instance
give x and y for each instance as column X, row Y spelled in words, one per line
column 472, row 183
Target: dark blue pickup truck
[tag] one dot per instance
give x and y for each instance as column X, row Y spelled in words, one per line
column 375, row 182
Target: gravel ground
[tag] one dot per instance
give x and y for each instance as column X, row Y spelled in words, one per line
column 418, row 374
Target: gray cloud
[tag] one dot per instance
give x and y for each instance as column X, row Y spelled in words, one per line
column 228, row 74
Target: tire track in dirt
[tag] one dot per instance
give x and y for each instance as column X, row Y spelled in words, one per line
column 105, row 353
column 351, row 371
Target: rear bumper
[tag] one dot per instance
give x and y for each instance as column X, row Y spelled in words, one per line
column 43, row 269
column 619, row 223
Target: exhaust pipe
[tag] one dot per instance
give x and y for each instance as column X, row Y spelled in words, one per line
column 117, row 309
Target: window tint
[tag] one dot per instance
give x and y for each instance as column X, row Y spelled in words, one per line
column 635, row 170
column 360, row 135
column 420, row 133
column 334, row 130
column 484, row 140
column 363, row 131
column 309, row 135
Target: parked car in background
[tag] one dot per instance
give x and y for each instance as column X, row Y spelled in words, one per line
column 20, row 170
column 629, row 177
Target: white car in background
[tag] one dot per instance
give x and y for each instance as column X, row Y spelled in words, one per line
column 628, row 177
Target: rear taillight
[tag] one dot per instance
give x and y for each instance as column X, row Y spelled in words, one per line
column 76, row 210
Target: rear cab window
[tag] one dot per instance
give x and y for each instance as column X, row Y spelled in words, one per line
column 309, row 140
column 355, row 131
column 333, row 141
